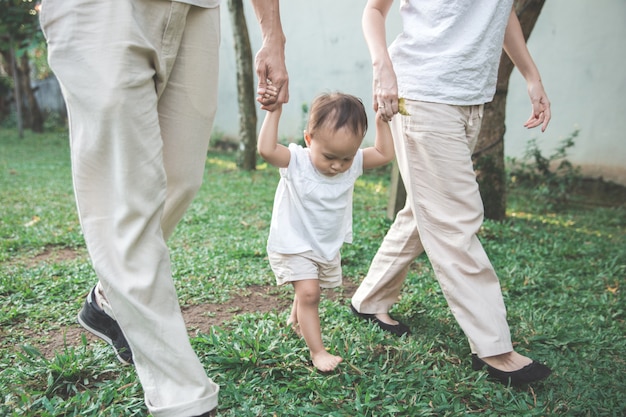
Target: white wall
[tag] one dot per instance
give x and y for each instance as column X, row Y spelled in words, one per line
column 578, row 46
column 325, row 52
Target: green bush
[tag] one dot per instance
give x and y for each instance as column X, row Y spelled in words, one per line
column 550, row 179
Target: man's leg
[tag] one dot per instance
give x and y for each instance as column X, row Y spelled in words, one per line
column 187, row 109
column 107, row 56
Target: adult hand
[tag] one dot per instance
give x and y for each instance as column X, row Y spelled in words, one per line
column 271, row 70
column 385, row 90
column 540, row 106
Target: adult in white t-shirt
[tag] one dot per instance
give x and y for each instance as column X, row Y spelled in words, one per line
column 444, row 65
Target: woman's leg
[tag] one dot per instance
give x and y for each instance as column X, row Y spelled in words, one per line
column 445, row 200
column 381, row 287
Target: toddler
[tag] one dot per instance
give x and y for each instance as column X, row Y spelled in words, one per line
column 312, row 214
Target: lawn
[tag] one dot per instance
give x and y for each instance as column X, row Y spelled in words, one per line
column 562, row 273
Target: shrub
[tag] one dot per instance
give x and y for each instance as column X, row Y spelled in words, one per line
column 549, row 179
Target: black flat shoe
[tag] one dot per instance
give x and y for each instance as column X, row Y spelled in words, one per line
column 399, row 329
column 530, row 373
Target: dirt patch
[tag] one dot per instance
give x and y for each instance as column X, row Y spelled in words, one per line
column 254, row 299
column 51, row 254
column 201, row 317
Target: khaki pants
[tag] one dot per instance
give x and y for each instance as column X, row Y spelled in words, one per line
column 140, row 81
column 442, row 216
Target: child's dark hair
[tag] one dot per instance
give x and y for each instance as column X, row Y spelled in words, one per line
column 336, row 111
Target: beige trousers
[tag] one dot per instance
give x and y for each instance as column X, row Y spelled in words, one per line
column 140, row 81
column 442, row 215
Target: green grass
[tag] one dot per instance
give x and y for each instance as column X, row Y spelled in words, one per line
column 563, row 277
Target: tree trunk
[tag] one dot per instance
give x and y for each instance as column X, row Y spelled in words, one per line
column 28, row 112
column 16, row 88
column 31, row 112
column 489, row 154
column 245, row 86
column 397, row 192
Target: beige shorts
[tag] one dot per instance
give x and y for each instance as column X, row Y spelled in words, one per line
column 306, row 265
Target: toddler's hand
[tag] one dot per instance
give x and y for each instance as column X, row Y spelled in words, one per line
column 267, row 94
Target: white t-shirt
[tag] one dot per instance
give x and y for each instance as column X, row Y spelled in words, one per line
column 312, row 211
column 449, row 50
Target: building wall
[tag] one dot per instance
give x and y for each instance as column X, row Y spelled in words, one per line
column 325, row 51
column 577, row 45
column 579, row 48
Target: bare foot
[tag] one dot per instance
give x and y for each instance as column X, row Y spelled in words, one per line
column 386, row 318
column 508, row 362
column 295, row 326
column 325, row 362
column 293, row 317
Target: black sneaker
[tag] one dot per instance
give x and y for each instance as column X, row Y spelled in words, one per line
column 94, row 319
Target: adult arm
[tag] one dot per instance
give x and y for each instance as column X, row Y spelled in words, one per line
column 515, row 47
column 385, row 86
column 270, row 59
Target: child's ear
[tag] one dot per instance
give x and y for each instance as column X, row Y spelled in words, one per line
column 307, row 138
